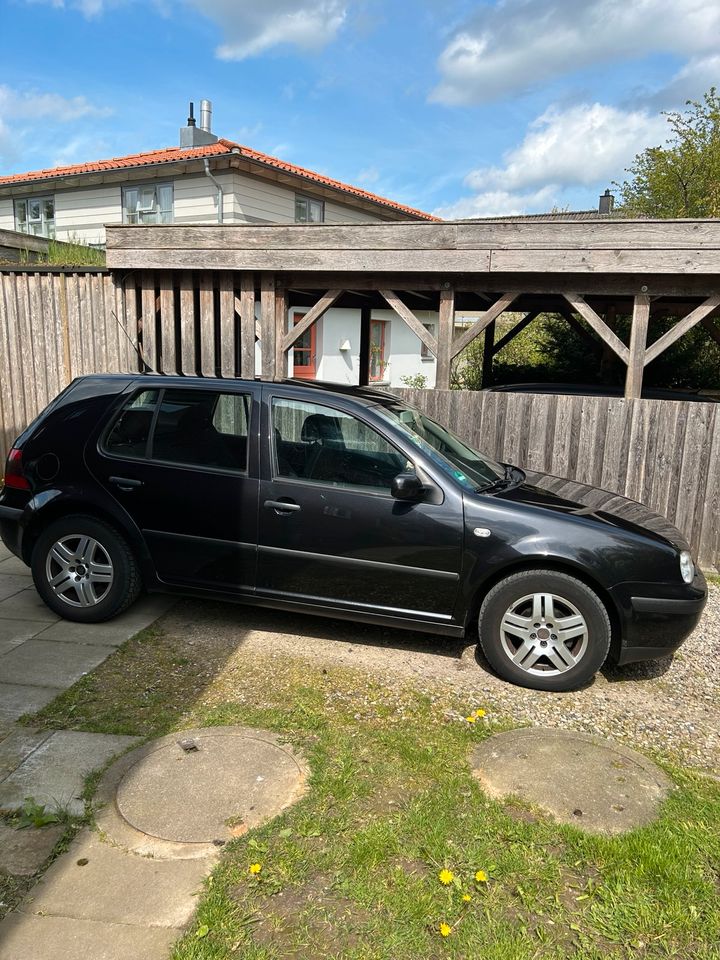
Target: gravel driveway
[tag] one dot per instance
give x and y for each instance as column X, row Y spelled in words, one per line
column 669, row 706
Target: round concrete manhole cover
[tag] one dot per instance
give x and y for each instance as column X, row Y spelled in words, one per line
column 209, row 785
column 591, row 783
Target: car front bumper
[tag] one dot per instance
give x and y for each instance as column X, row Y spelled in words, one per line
column 657, row 618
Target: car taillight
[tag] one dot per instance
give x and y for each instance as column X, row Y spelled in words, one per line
column 14, row 476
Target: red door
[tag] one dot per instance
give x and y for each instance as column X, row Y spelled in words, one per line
column 304, row 352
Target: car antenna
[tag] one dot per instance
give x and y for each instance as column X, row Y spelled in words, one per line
column 145, row 365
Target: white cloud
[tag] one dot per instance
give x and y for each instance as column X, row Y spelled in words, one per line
column 518, row 44
column 251, row 28
column 88, row 8
column 583, row 145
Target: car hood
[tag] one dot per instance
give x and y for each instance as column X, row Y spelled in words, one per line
column 579, row 499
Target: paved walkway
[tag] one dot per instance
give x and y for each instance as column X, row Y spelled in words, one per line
column 95, row 900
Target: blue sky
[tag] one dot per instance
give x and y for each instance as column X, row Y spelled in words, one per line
column 460, row 107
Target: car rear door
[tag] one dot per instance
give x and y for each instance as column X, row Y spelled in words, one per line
column 182, row 461
column 329, row 531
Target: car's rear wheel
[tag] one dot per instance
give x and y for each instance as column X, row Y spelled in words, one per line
column 545, row 630
column 84, row 569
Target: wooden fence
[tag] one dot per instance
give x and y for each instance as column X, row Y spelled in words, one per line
column 55, row 325
column 663, row 453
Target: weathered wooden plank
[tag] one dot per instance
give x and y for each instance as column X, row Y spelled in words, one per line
column 580, row 305
column 692, row 468
column 682, row 327
column 227, row 325
column 167, row 324
column 446, row 325
column 247, row 326
column 405, row 314
column 638, row 339
column 207, row 325
column 148, row 322
column 27, row 357
column 492, row 313
column 188, row 360
column 14, row 403
column 314, row 313
column 267, row 325
column 281, row 328
column 73, row 322
column 708, row 543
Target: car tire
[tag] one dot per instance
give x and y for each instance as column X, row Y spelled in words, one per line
column 84, row 569
column 544, row 630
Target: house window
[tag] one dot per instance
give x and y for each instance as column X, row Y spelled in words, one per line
column 378, row 348
column 305, row 351
column 149, row 203
column 425, row 352
column 36, row 215
column 308, row 210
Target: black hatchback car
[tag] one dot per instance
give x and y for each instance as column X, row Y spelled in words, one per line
column 341, row 502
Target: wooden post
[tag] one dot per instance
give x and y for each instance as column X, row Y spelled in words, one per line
column 267, row 325
column 247, row 326
column 487, row 362
column 281, row 325
column 638, row 341
column 446, row 327
column 364, row 357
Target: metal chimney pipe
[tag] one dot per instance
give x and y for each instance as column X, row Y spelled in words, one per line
column 206, row 116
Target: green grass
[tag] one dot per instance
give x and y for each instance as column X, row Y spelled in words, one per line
column 352, row 870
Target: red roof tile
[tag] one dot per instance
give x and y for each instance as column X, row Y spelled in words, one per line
column 222, row 147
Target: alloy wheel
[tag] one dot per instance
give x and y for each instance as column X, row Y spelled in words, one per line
column 79, row 570
column 544, row 634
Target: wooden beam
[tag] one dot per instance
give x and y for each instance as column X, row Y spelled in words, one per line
column 446, row 325
column 638, row 340
column 246, row 309
column 511, row 334
column 682, row 327
column 313, row 314
column 267, row 325
column 598, row 325
column 711, row 329
column 281, row 322
column 573, row 321
column 492, row 313
column 364, row 358
column 487, row 360
column 394, row 301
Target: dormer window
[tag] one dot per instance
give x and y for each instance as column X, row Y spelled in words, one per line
column 148, row 203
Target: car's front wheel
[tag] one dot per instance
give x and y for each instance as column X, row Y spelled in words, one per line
column 84, row 570
column 545, row 630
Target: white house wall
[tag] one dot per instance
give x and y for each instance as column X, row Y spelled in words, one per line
column 7, row 214
column 80, row 214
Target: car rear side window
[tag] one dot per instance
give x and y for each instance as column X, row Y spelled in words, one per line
column 129, row 435
column 203, row 428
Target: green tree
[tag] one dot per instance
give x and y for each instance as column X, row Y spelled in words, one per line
column 681, row 178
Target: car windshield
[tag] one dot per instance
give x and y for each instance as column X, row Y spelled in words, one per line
column 471, row 469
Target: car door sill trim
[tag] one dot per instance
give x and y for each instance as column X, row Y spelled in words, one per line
column 360, row 562
column 335, row 604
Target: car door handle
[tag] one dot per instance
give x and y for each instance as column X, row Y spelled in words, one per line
column 126, row 483
column 282, row 506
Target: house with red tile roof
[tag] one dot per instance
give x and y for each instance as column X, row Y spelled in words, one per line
column 206, row 179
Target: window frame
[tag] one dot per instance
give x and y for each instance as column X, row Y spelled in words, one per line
column 307, row 199
column 425, row 353
column 367, row 490
column 147, row 457
column 138, row 188
column 42, row 199
column 306, row 371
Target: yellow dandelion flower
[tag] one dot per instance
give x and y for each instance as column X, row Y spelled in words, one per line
column 255, row 868
column 479, row 713
column 481, row 876
column 466, row 898
column 445, row 877
column 445, row 929
column 471, row 719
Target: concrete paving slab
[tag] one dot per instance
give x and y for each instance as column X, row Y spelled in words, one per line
column 18, row 630
column 112, row 632
column 11, row 584
column 96, row 881
column 593, row 784
column 19, row 698
column 25, row 605
column 48, row 664
column 23, row 852
column 15, row 566
column 62, row 938
column 55, row 772
column 17, row 747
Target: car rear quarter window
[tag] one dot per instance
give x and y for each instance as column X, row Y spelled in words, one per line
column 129, row 434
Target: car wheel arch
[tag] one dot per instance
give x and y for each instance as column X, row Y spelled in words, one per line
column 558, row 566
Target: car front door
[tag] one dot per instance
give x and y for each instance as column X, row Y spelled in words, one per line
column 331, row 534
column 183, row 463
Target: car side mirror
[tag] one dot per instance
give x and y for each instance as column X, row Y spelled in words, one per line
column 407, row 486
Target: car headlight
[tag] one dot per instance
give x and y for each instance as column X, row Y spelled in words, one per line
column 687, row 567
